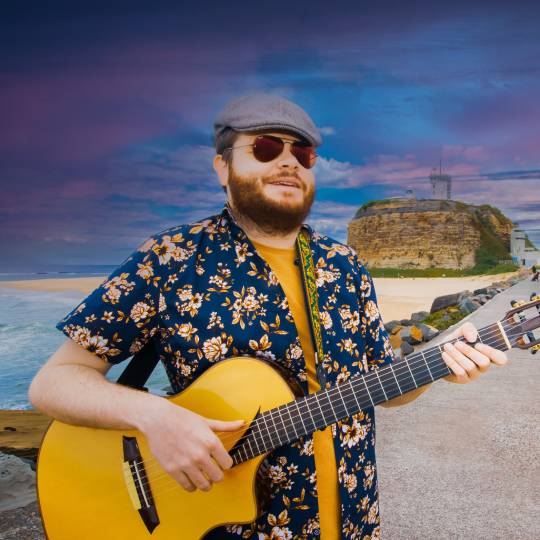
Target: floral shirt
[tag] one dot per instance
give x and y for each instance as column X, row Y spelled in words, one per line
column 203, row 294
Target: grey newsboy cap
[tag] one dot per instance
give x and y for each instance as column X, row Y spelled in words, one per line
column 261, row 112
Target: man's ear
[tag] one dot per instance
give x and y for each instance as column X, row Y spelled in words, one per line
column 222, row 170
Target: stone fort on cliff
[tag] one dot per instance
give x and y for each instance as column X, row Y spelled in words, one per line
column 428, row 233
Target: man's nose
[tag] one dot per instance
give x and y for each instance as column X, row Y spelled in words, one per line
column 286, row 158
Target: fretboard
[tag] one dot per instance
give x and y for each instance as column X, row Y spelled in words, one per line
column 303, row 416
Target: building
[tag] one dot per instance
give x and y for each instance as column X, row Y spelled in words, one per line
column 519, row 251
column 441, row 185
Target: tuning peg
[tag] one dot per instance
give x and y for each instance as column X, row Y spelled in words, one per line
column 534, row 296
column 535, row 348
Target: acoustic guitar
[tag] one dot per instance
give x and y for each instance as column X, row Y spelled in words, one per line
column 105, row 484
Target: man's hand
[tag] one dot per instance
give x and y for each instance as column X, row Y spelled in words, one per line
column 466, row 361
column 186, row 446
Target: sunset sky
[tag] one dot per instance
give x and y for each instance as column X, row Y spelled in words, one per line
column 106, row 112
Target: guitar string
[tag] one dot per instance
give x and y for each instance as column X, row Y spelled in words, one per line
column 400, row 368
column 163, row 483
column 169, row 484
column 346, row 391
column 169, row 480
column 229, row 435
column 342, row 389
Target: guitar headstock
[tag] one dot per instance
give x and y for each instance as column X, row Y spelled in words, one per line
column 520, row 321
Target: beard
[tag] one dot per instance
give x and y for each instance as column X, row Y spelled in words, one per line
column 272, row 217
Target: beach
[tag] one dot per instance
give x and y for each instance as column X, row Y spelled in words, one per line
column 397, row 297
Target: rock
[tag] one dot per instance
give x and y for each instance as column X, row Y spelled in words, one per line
column 412, row 335
column 428, row 331
column 391, row 325
column 406, row 348
column 395, row 341
column 419, row 316
column 445, row 301
column 17, row 483
column 465, row 294
column 467, row 306
column 480, row 291
column 406, row 322
column 396, row 329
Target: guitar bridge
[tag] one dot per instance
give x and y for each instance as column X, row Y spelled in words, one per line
column 137, row 483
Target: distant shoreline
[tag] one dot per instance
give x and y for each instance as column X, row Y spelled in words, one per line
column 398, row 297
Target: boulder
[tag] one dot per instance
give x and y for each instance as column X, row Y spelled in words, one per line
column 406, row 348
column 412, row 335
column 396, row 329
column 17, row 483
column 467, row 306
column 395, row 341
column 465, row 294
column 480, row 291
column 419, row 316
column 445, row 301
column 428, row 331
column 406, row 322
column 391, row 325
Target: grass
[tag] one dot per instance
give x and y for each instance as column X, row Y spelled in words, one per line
column 442, row 272
column 443, row 319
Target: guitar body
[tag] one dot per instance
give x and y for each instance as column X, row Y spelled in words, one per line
column 81, row 476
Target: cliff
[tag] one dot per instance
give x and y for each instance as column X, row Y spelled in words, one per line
column 410, row 233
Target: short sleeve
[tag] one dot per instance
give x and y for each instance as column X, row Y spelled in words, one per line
column 376, row 339
column 121, row 315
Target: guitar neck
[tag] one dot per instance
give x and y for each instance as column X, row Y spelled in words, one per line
column 284, row 424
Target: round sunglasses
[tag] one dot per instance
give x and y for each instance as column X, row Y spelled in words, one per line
column 268, row 147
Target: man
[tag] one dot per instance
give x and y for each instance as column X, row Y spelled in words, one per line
column 231, row 285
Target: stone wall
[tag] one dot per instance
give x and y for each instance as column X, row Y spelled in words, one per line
column 405, row 233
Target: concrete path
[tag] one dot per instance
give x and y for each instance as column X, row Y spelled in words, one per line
column 462, row 461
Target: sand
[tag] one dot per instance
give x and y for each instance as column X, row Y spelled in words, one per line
column 398, row 297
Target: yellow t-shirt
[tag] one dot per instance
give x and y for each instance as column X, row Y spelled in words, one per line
column 281, row 261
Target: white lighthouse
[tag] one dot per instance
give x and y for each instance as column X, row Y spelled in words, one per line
column 441, row 184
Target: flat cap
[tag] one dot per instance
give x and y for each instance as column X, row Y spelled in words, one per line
column 262, row 112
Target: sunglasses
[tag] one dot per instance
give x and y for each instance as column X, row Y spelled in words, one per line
column 268, row 147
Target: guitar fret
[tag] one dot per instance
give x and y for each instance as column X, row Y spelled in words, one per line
column 412, row 376
column 394, row 374
column 287, row 407
column 301, row 419
column 255, row 441
column 309, row 411
column 266, row 426
column 329, row 396
column 282, row 421
column 379, row 379
column 426, row 362
column 341, row 396
column 369, row 393
column 354, row 395
column 250, row 449
column 315, row 396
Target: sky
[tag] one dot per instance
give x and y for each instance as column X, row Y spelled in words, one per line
column 106, row 111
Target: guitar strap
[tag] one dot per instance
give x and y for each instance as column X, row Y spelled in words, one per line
column 144, row 362
column 310, row 290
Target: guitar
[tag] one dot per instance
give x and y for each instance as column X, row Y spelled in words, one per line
column 99, row 483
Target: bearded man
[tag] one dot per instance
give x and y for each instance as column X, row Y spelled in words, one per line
column 232, row 285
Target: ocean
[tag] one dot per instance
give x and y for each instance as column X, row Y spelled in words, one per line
column 28, row 337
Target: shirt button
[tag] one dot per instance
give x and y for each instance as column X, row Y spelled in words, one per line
column 316, row 532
